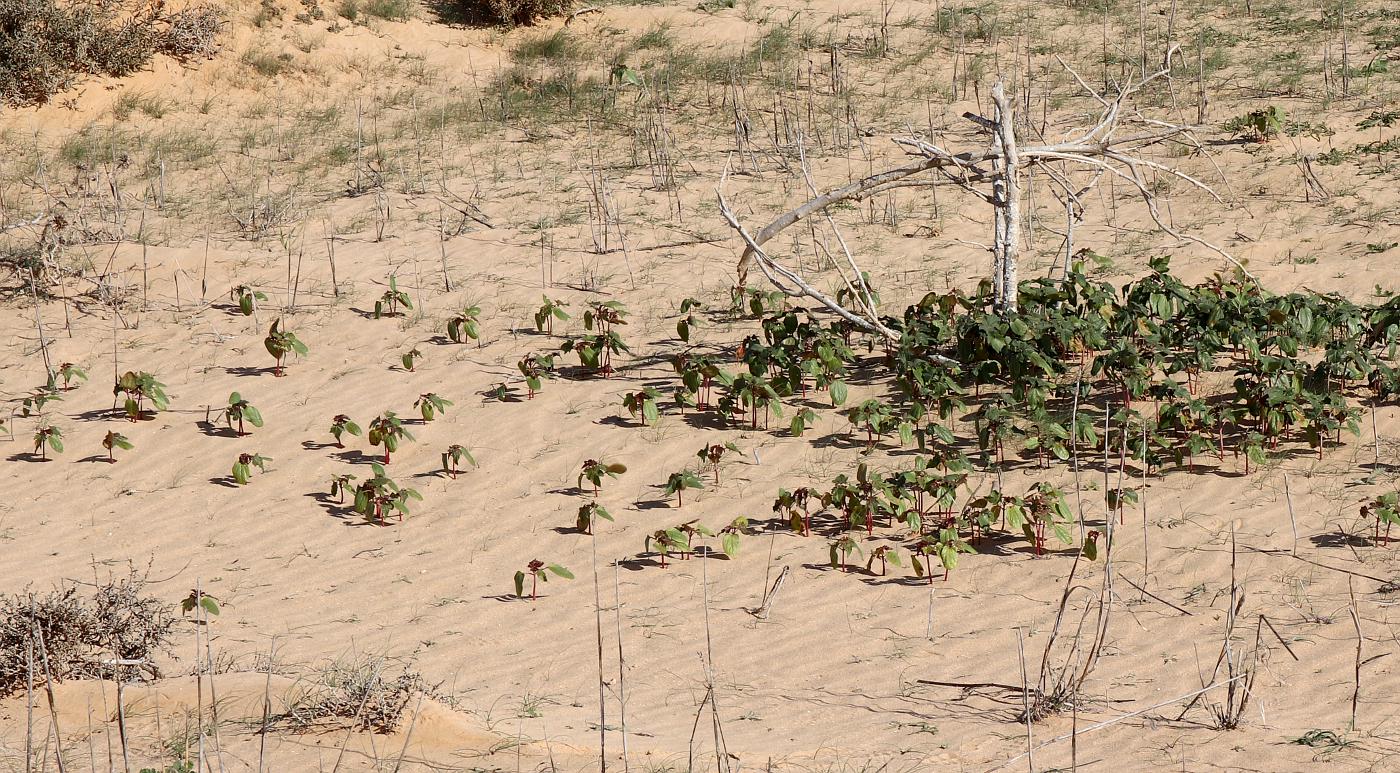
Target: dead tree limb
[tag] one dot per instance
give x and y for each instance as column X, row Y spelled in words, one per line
column 1112, row 147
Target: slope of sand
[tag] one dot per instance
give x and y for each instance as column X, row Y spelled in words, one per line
column 850, row 669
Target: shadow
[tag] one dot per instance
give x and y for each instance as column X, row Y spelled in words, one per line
column 370, row 314
column 705, row 419
column 356, row 456
column 312, row 445
column 248, row 370
column 654, row 504
column 225, row 481
column 568, row 530
column 101, row 414
column 618, row 421
column 572, row 491
column 1340, row 539
column 26, row 456
column 511, row 598
column 211, row 430
column 97, row 458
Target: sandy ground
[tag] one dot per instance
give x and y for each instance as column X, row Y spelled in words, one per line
column 850, row 670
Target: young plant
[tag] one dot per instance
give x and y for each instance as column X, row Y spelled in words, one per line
column 240, row 410
column 243, row 468
column 596, row 349
column 729, row 535
column 886, row 554
column 410, row 359
column 841, row 549
column 711, row 455
column 538, row 572
column 680, row 481
column 688, row 322
column 594, row 471
column 114, row 440
column 35, row 402
column 429, row 405
column 343, row 425
column 465, row 325
column 804, row 418
column 379, row 493
column 139, row 389
column 247, row 299
column 644, row 403
column 342, row 485
column 280, row 343
column 46, row 438
column 1259, row 125
column 453, row 457
column 198, row 599
column 589, row 514
column 388, row 430
column 549, row 311
column 666, row 541
column 1386, row 510
column 389, row 303
column 68, row 371
column 535, row 368
column 945, row 548
column 794, row 505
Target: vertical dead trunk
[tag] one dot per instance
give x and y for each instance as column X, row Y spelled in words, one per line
column 1006, row 194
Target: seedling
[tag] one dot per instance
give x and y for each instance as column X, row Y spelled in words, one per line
column 140, row 388
column 711, row 455
column 1118, row 498
column 68, row 371
column 247, row 299
column 243, row 468
column 535, row 368
column 539, row 572
column 593, row 471
column 342, row 485
column 588, row 515
column 687, row 322
column 241, row 410
column 46, row 438
column 945, row 548
column 644, row 403
column 666, row 541
column 1386, row 510
column 389, row 303
column 680, row 481
column 114, row 440
column 794, row 504
column 804, row 418
column 198, row 599
column 885, row 554
column 841, row 549
column 549, row 311
column 729, row 535
column 465, row 325
column 453, row 457
column 378, row 493
column 35, row 402
column 387, row 430
column 429, row 405
column 595, row 350
column 410, row 358
column 1260, row 125
column 342, row 425
column 280, row 343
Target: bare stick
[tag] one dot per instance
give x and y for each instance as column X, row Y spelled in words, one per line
column 29, row 707
column 1355, row 621
column 267, row 707
column 1026, row 702
column 1288, row 496
column 1148, row 593
column 621, row 670
column 408, row 736
column 598, row 626
column 53, row 705
column 768, row 598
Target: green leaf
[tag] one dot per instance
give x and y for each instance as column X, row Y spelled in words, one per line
column 209, row 604
column 520, row 584
column 649, row 411
column 730, row 544
column 1091, row 550
column 838, row 392
column 252, row 416
column 561, row 571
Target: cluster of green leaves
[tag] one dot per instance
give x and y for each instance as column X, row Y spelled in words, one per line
column 240, row 410
column 378, row 495
column 281, row 342
column 245, row 464
column 390, row 301
column 538, row 571
column 465, row 325
column 138, row 389
column 550, row 311
column 387, row 429
column 246, row 298
column 596, row 348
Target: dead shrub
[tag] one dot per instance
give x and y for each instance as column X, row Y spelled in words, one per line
column 79, row 632
column 356, row 689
